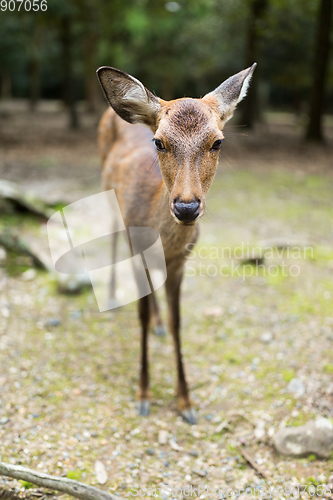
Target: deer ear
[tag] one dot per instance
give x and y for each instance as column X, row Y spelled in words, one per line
column 230, row 93
column 128, row 97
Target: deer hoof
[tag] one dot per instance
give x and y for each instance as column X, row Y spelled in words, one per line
column 159, row 330
column 189, row 415
column 143, row 408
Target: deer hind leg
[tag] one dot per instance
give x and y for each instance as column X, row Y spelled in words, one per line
column 144, row 393
column 173, row 283
column 156, row 316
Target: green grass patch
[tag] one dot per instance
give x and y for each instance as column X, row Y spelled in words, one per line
column 311, row 481
column 328, row 368
column 75, row 474
column 301, row 419
column 26, row 485
column 287, row 375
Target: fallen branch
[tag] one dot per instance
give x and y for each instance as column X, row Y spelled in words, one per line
column 15, row 244
column 254, row 464
column 15, row 195
column 63, row 484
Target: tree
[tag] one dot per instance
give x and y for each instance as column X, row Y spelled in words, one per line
column 69, row 93
column 320, row 67
column 257, row 11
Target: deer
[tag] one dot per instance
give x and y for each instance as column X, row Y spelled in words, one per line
column 161, row 157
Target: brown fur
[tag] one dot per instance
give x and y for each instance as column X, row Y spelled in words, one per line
column 148, row 182
column 132, row 169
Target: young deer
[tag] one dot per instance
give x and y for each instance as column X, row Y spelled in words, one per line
column 161, row 173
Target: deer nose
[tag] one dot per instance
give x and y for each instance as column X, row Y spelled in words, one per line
column 186, row 211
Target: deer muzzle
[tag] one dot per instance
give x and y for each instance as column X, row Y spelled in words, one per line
column 186, row 212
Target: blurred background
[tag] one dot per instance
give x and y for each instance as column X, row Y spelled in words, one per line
column 50, row 99
column 259, row 345
column 177, row 49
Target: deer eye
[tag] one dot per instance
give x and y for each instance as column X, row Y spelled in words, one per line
column 159, row 145
column 217, row 145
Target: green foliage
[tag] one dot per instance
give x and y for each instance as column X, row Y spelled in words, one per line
column 311, row 480
column 74, row 474
column 328, row 368
column 301, row 419
column 287, row 375
column 184, row 51
column 26, row 485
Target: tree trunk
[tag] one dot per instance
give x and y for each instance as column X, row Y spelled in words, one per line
column 34, row 66
column 68, row 75
column 250, row 107
column 6, row 84
column 92, row 90
column 34, row 72
column 320, row 66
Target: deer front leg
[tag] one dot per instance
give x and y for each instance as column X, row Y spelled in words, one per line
column 156, row 316
column 143, row 393
column 173, row 283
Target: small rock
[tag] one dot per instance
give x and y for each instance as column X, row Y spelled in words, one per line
column 4, row 420
column 266, row 338
column 3, row 255
column 200, row 472
column 5, row 312
column 221, row 426
column 29, row 275
column 297, row 387
column 76, row 314
column 100, row 472
column 150, row 451
column 316, row 437
column 53, row 322
column 175, row 446
column 163, row 436
column 259, row 431
column 213, row 312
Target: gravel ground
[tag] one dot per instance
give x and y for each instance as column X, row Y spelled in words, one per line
column 69, row 374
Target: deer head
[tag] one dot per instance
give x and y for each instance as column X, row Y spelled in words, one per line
column 188, row 133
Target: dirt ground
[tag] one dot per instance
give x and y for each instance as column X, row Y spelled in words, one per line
column 69, row 374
